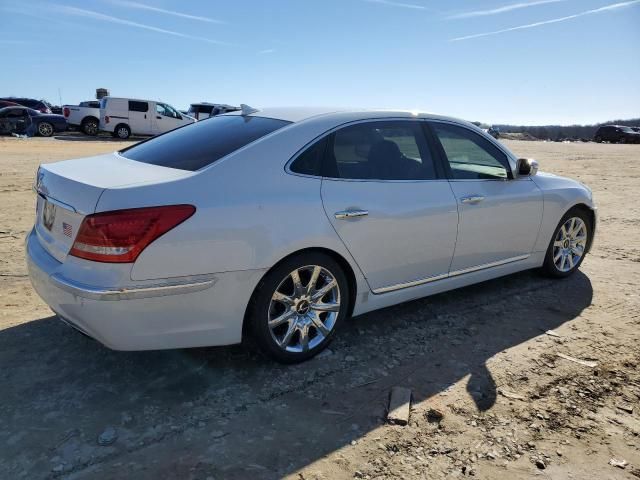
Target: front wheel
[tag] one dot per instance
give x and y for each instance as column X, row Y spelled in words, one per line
column 45, row 129
column 298, row 306
column 568, row 245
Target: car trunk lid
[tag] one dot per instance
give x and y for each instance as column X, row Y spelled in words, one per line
column 70, row 190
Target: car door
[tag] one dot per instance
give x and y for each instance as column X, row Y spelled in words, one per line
column 499, row 216
column 383, row 195
column 166, row 118
column 140, row 117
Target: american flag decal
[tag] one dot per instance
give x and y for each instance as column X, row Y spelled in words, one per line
column 66, row 229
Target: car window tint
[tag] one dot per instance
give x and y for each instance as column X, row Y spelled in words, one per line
column 385, row 150
column 309, row 162
column 138, row 106
column 470, row 156
column 202, row 143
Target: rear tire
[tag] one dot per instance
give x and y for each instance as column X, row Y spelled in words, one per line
column 90, row 126
column 292, row 323
column 569, row 244
column 598, row 139
column 122, row 131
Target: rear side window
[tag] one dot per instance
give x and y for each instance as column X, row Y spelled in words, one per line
column 138, row 106
column 202, row 143
column 384, row 150
column 309, row 162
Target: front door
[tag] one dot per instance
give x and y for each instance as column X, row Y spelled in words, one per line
column 381, row 192
column 166, row 118
column 499, row 216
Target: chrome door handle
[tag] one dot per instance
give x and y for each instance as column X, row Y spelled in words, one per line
column 472, row 199
column 344, row 214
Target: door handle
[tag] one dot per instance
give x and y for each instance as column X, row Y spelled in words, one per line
column 472, row 199
column 158, row 117
column 344, row 214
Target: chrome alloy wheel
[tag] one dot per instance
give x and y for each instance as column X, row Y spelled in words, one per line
column 570, row 244
column 304, row 308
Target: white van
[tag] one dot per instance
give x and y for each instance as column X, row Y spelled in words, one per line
column 123, row 117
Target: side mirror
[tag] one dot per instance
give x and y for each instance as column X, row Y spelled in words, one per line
column 527, row 167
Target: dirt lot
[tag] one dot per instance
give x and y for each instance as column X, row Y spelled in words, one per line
column 491, row 397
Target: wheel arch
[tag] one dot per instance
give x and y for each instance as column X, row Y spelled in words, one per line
column 90, row 117
column 344, row 264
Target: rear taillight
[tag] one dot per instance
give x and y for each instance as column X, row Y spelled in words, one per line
column 106, row 119
column 120, row 236
column 66, row 112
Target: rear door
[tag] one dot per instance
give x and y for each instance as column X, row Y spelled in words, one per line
column 382, row 193
column 499, row 216
column 140, row 117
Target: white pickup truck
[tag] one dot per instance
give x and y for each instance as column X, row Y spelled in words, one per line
column 85, row 116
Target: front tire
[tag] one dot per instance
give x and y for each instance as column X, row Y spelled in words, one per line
column 298, row 306
column 45, row 129
column 569, row 244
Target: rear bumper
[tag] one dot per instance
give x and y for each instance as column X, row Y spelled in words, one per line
column 160, row 315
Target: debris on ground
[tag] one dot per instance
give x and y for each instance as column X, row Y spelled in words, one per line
column 399, row 406
column 586, row 363
column 618, row 463
column 108, row 436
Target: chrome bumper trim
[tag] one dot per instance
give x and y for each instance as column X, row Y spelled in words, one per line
column 131, row 293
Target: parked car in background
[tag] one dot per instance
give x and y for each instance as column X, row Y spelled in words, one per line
column 171, row 243
column 5, row 103
column 40, row 105
column 494, row 132
column 84, row 116
column 203, row 110
column 616, row 134
column 635, row 129
column 123, row 117
column 24, row 120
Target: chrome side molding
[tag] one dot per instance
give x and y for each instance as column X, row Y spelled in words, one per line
column 455, row 273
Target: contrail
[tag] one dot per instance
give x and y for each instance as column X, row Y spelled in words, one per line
column 547, row 22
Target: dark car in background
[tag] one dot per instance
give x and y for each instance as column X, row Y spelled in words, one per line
column 616, row 134
column 40, row 105
column 22, row 120
column 6, row 103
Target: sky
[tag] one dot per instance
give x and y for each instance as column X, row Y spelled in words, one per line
column 526, row 62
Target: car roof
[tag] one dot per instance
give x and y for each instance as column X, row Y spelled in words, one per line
column 299, row 114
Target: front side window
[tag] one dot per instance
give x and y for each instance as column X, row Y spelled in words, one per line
column 470, row 156
column 166, row 110
column 384, row 150
column 202, row 143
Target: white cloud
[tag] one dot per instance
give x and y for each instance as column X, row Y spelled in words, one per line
column 151, row 8
column 392, row 3
column 606, row 8
column 81, row 12
column 503, row 9
column 267, row 51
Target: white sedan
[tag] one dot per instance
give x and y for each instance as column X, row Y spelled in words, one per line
column 281, row 223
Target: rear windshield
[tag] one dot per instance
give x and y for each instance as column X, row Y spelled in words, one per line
column 202, row 143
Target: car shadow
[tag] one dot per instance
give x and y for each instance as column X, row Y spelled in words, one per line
column 230, row 412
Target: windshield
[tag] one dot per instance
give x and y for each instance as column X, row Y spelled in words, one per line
column 200, row 144
column 627, row 129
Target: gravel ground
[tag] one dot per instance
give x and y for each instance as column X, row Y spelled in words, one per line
column 492, row 398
